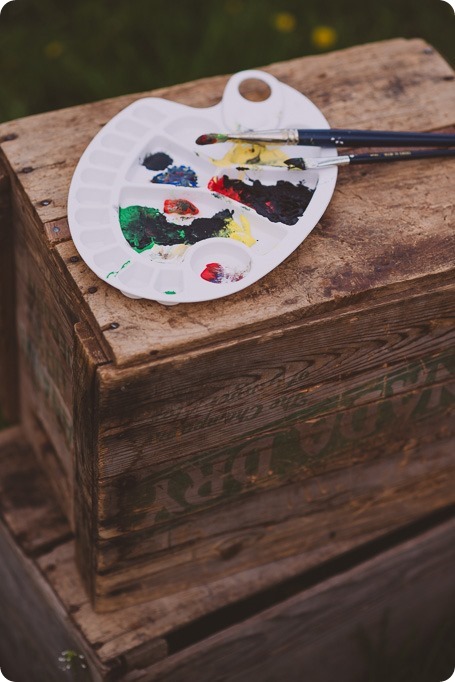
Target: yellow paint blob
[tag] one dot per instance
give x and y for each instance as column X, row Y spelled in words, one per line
column 324, row 37
column 251, row 154
column 242, row 232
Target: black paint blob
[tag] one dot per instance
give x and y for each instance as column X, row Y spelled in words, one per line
column 144, row 227
column 280, row 203
column 157, row 161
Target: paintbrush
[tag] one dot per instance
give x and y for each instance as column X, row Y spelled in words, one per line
column 333, row 137
column 312, row 163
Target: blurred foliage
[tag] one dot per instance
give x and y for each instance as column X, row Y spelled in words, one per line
column 55, row 54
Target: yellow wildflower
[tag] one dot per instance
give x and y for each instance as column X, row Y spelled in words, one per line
column 324, row 37
column 54, row 49
column 285, row 22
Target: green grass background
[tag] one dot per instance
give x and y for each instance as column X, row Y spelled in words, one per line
column 55, row 54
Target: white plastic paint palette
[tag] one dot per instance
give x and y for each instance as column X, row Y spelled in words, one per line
column 189, row 242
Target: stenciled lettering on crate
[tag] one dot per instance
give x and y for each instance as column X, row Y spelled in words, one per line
column 300, row 444
column 195, row 422
column 295, row 405
column 314, row 519
column 176, row 406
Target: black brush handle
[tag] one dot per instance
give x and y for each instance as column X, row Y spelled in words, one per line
column 377, row 138
column 385, row 157
column 315, row 163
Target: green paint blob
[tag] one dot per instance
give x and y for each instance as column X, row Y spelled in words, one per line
column 143, row 227
column 133, row 222
column 169, row 292
column 115, row 272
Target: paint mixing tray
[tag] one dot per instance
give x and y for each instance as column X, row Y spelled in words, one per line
column 162, row 218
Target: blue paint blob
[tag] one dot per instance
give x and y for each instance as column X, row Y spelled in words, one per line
column 183, row 176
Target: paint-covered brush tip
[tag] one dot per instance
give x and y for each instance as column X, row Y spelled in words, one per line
column 211, row 138
column 295, row 164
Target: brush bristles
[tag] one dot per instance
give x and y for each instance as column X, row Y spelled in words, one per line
column 211, row 138
column 295, row 164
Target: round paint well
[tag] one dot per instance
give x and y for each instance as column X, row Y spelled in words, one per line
column 220, row 261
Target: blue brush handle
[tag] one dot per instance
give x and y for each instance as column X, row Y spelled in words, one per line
column 385, row 157
column 377, row 138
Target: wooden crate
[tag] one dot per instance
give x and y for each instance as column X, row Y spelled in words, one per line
column 293, row 421
column 382, row 610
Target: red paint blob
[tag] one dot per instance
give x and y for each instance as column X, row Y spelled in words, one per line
column 212, row 273
column 218, row 274
column 218, row 185
column 180, row 206
column 207, row 139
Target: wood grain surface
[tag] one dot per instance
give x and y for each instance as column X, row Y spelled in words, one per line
column 337, row 630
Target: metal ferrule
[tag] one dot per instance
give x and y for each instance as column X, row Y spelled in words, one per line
column 325, row 162
column 267, row 136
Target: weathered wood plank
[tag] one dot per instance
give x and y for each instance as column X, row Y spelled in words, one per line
column 26, row 499
column 173, row 408
column 396, row 600
column 88, row 356
column 163, row 496
column 45, row 320
column 35, row 628
column 350, row 504
column 34, row 616
column 9, row 399
column 48, row 458
column 46, row 315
